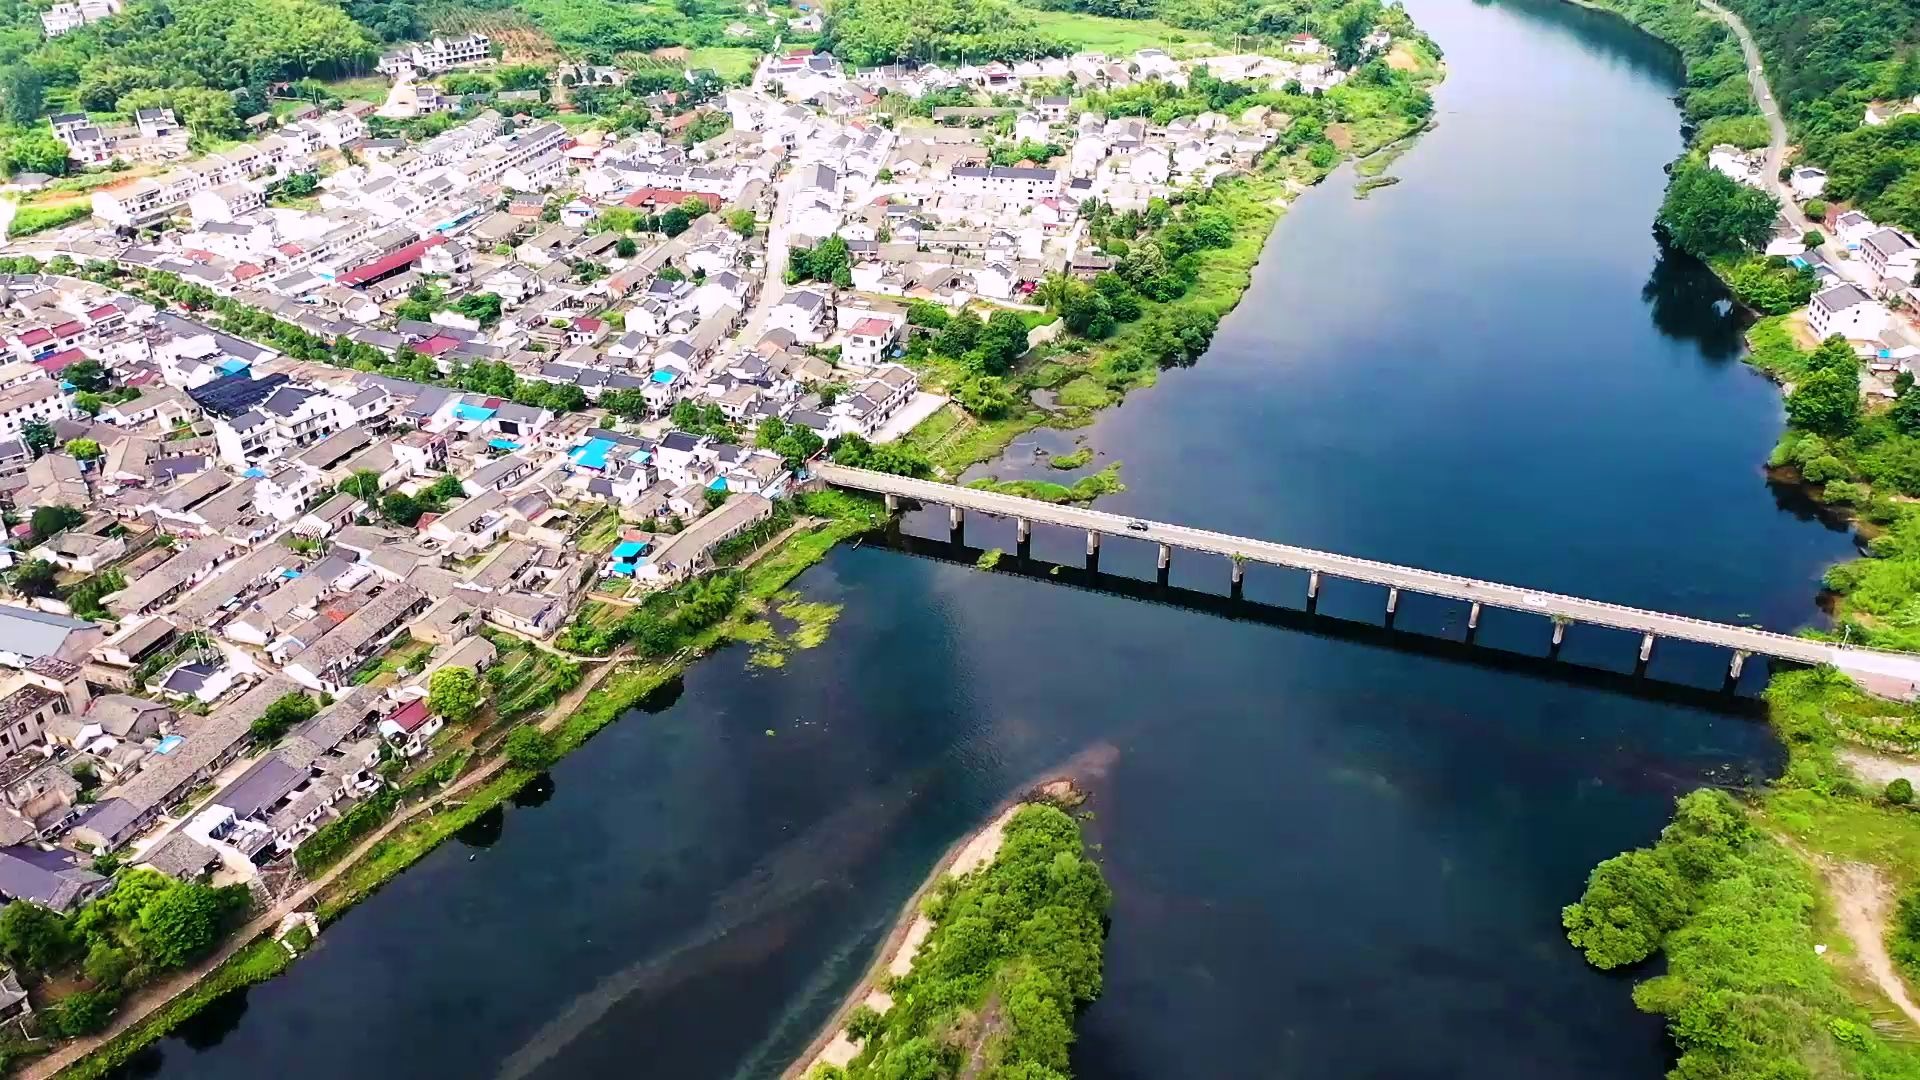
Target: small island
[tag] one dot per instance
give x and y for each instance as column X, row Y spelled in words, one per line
column 987, row 967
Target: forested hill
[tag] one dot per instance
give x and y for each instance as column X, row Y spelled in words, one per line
column 1828, row 59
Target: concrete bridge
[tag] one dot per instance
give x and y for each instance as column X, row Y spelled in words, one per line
column 1896, row 674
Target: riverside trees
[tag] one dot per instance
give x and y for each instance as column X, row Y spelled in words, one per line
column 1708, row 213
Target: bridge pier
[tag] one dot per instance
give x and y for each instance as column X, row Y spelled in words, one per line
column 956, row 518
column 1022, row 528
column 893, row 505
column 1165, row 570
column 1473, row 616
column 1646, row 647
column 1093, row 542
column 1739, row 664
column 1238, row 582
column 1559, row 635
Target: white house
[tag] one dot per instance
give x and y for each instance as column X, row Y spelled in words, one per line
column 1808, row 182
column 868, row 341
column 1848, row 312
column 801, row 312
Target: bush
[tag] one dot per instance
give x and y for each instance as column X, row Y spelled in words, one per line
column 1900, row 791
column 529, row 748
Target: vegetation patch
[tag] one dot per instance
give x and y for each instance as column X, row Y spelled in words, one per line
column 1084, row 490
column 1014, row 953
column 1079, row 459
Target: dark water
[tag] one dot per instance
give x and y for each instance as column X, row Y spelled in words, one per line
column 1331, row 856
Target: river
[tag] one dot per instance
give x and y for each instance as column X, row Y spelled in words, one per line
column 1330, row 856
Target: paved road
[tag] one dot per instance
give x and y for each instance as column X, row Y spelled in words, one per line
column 772, row 286
column 1762, row 93
column 1881, row 665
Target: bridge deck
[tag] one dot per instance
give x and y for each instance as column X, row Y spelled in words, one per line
column 1662, row 624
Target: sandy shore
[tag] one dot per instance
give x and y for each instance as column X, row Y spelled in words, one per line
column 910, row 930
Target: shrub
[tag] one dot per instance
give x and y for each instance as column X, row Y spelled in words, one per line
column 1900, row 791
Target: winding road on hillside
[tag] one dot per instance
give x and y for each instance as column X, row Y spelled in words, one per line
column 1763, row 94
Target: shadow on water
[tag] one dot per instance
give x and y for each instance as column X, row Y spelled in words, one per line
column 535, row 792
column 1688, row 303
column 1724, row 699
column 484, row 831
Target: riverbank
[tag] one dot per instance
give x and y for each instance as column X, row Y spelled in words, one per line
column 1079, row 379
column 1016, row 955
column 894, row 958
column 603, row 697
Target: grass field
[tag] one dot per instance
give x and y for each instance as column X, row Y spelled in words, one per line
column 729, row 62
column 1101, row 34
column 365, row 88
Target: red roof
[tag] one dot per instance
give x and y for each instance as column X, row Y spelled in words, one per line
column 385, row 265
column 36, row 336
column 62, row 360
column 104, row 311
column 589, row 324
column 245, row 271
column 70, row 328
column 409, row 716
column 436, row 345
column 288, row 250
column 656, row 196
column 872, row 327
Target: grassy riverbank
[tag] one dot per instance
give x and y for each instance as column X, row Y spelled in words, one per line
column 1773, row 911
column 1356, row 120
column 615, row 688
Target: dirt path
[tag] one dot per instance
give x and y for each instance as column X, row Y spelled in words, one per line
column 1863, row 901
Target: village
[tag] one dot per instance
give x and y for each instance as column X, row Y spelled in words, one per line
column 289, row 430
column 1864, row 288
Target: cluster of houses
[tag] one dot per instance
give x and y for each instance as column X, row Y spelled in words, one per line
column 1856, row 299
column 210, row 471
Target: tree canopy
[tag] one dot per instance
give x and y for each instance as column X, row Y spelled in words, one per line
column 454, row 693
column 1708, row 213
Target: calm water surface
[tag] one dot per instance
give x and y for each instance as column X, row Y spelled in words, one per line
column 1330, row 857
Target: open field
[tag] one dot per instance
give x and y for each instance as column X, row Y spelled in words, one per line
column 1101, row 34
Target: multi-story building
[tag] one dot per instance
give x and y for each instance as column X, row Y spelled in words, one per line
column 440, row 54
column 1006, row 182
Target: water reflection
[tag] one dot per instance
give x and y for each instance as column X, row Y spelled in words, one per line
column 534, row 792
column 1690, row 304
column 483, row 831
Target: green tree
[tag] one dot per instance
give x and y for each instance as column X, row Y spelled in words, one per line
column 22, row 94
column 34, row 937
column 184, row 922
column 106, row 965
column 38, row 436
column 454, row 693
column 1708, row 213
column 82, row 1012
column 87, row 375
column 364, row 485
column 34, row 151
column 741, row 221
column 54, row 518
column 91, row 404
column 287, row 711
column 84, row 449
column 36, row 578
column 1827, row 400
column 1630, row 903
column 529, row 748
column 1900, row 791
column 625, row 248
